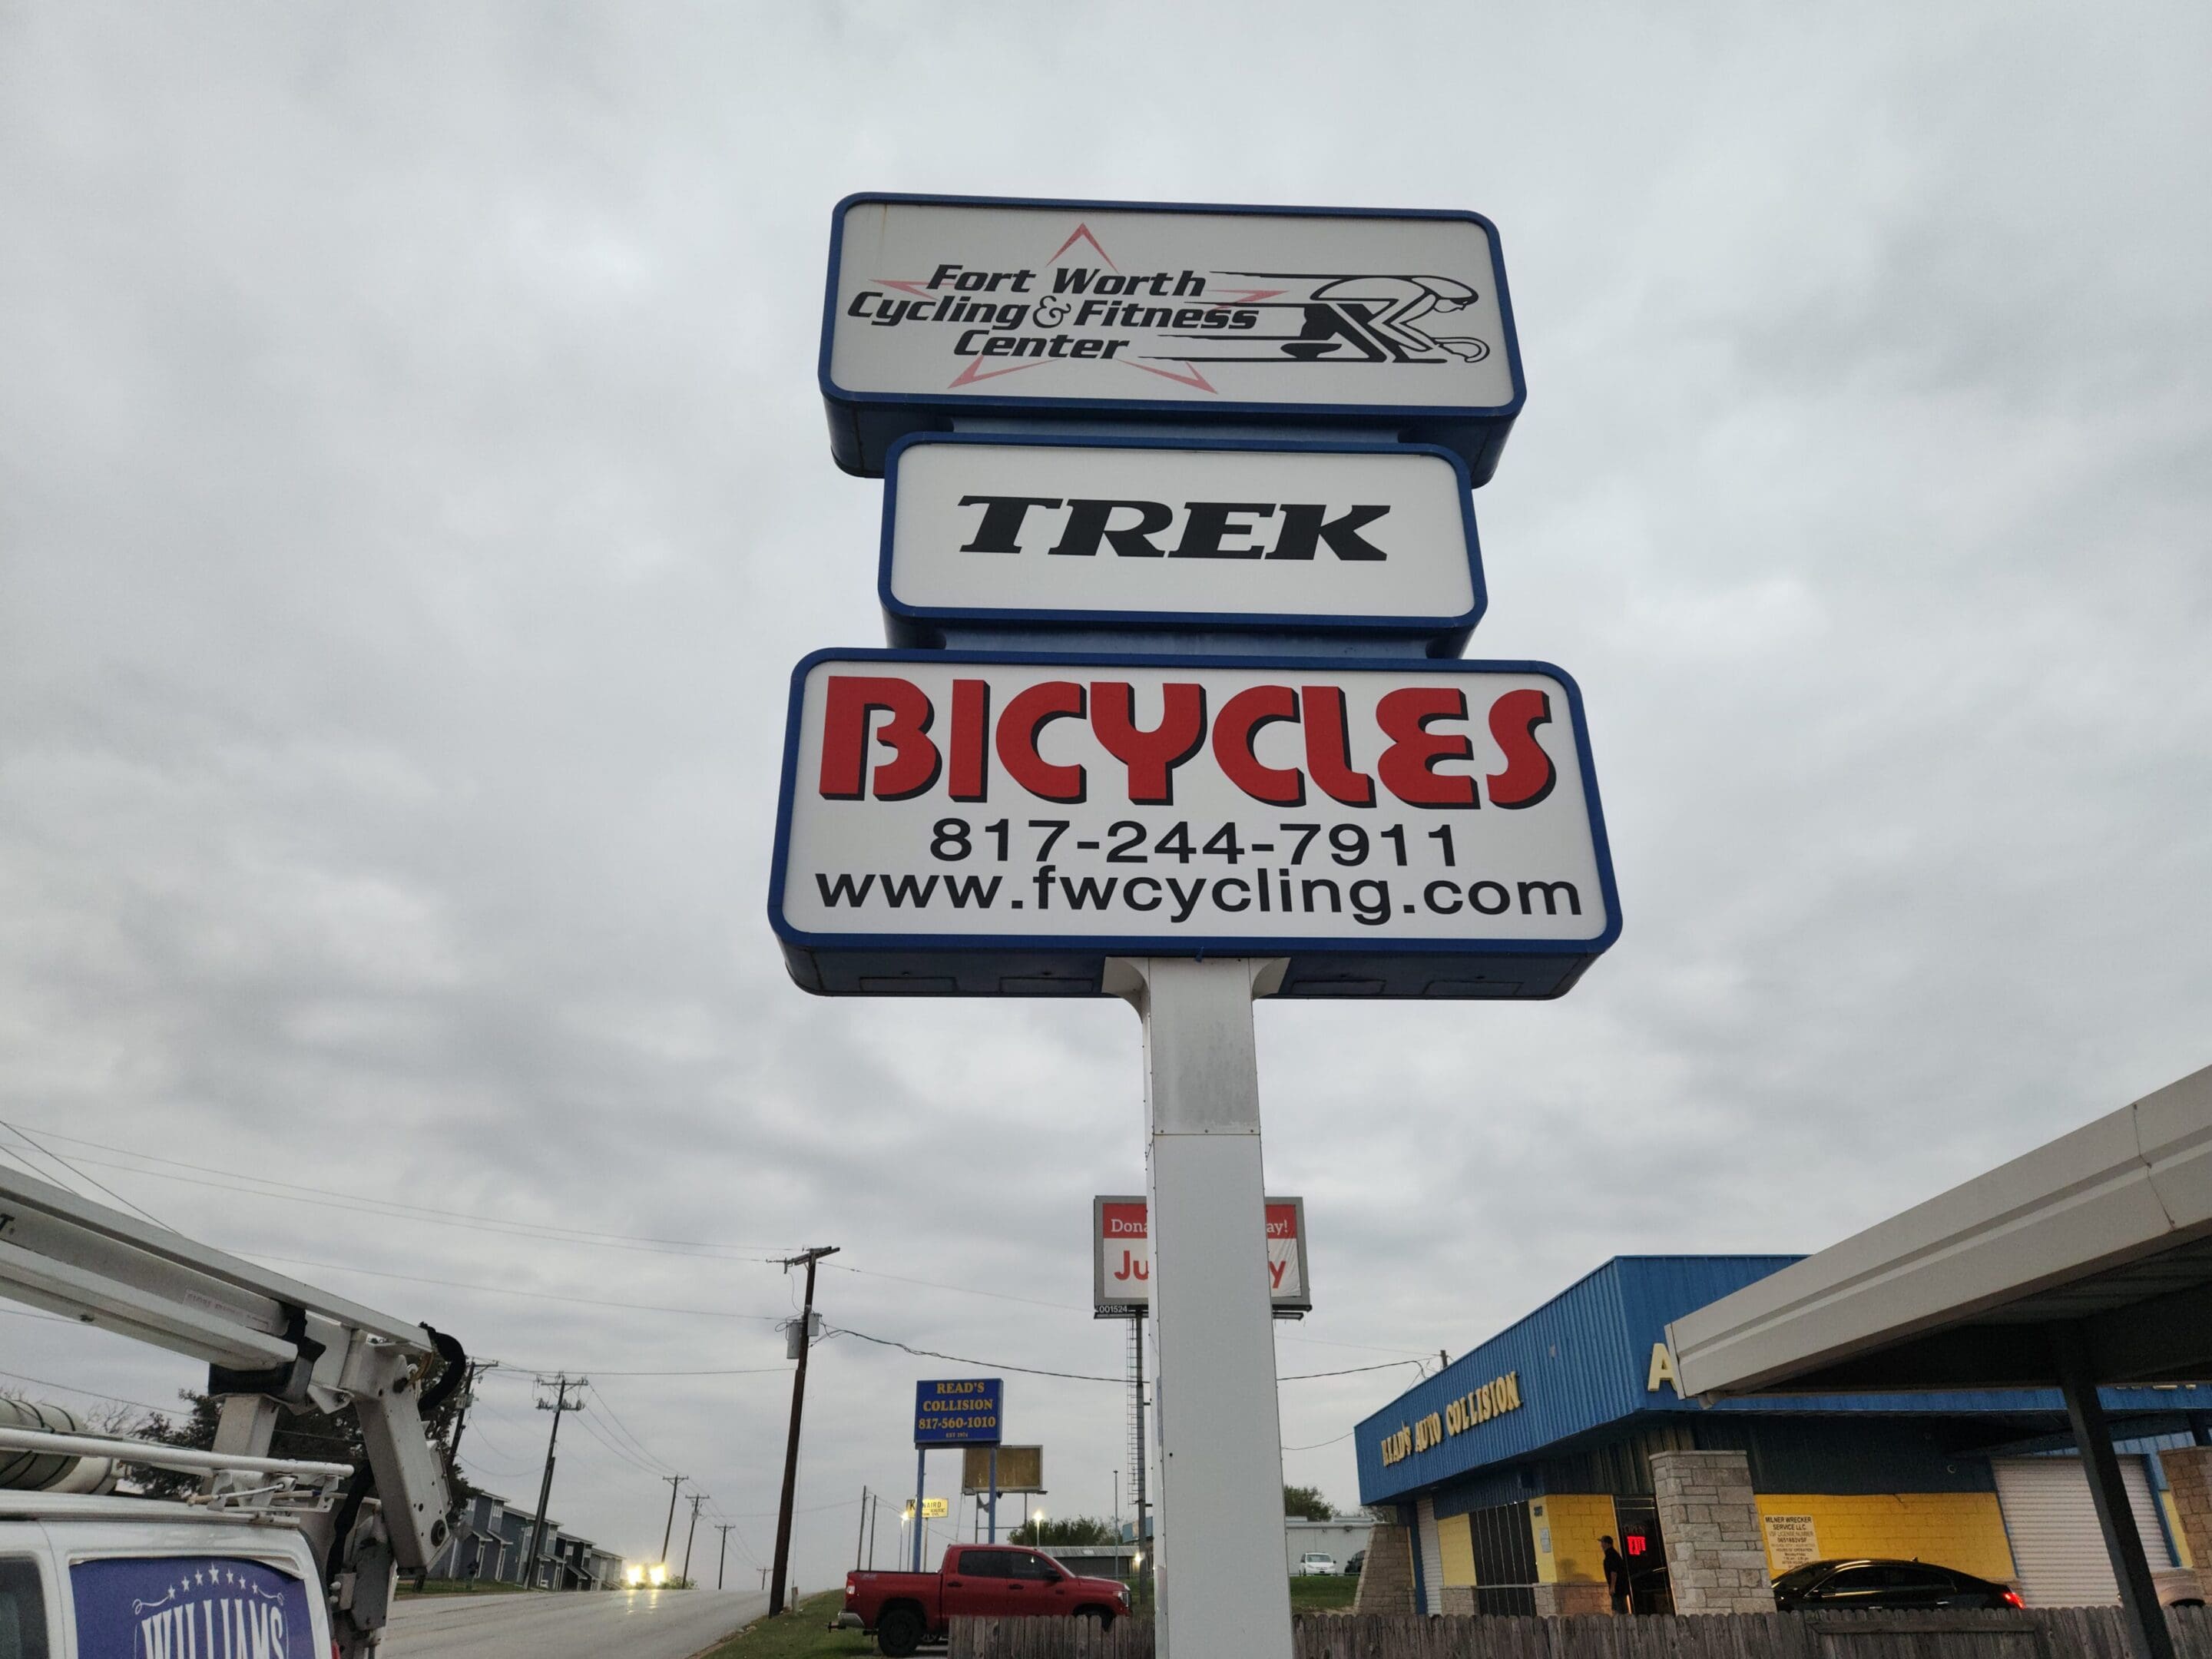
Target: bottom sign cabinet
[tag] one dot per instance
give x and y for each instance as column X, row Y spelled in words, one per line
column 999, row 825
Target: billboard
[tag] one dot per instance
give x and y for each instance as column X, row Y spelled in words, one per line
column 940, row 308
column 958, row 1411
column 1032, row 534
column 1121, row 1257
column 1003, row 824
column 1021, row 1468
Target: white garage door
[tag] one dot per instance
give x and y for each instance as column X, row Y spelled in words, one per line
column 1432, row 1556
column 2057, row 1549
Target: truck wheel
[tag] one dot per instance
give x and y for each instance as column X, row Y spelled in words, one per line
column 898, row 1632
column 1102, row 1617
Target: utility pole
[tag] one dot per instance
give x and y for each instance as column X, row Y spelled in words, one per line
column 782, row 1567
column 476, row 1369
column 876, row 1508
column 560, row 1402
column 723, row 1528
column 669, row 1531
column 863, row 1532
column 764, row 1577
column 697, row 1498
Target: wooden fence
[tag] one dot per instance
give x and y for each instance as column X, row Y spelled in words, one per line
column 2042, row 1633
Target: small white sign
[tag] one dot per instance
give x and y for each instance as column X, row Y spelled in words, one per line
column 1122, row 1257
column 1791, row 1541
column 945, row 305
column 1086, row 534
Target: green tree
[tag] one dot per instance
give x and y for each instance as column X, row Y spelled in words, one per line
column 1307, row 1503
column 313, row 1435
column 1074, row 1529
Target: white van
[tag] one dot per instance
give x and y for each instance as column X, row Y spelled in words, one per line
column 110, row 1577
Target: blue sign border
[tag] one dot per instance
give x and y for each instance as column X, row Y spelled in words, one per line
column 913, row 625
column 995, row 1393
column 863, row 425
column 1027, row 965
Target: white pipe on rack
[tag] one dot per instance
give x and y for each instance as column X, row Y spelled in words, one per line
column 125, row 1450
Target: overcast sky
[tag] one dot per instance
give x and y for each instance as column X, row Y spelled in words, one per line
column 413, row 492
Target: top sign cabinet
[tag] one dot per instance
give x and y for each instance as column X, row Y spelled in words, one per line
column 975, row 312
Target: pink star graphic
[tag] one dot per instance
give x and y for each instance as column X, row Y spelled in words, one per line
column 974, row 372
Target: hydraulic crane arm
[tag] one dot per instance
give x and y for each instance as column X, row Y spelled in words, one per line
column 269, row 1341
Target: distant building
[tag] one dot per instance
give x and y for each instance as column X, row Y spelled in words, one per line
column 1507, row 1470
column 1340, row 1537
column 490, row 1540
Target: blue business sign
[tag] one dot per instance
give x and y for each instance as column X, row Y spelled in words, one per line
column 1012, row 539
column 946, row 308
column 958, row 1411
column 1001, row 823
column 189, row 1607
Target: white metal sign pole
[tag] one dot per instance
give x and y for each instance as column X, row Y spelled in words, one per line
column 1219, row 1547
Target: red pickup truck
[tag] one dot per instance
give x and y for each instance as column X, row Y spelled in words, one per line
column 982, row 1580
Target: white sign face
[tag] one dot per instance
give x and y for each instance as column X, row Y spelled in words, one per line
column 942, row 304
column 1791, row 1541
column 1234, row 805
column 1122, row 1255
column 1086, row 533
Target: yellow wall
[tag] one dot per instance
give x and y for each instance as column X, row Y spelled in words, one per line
column 2173, row 1529
column 1961, row 1529
column 1578, row 1521
column 1457, row 1538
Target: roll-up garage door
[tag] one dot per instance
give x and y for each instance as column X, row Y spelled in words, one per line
column 1432, row 1556
column 2057, row 1549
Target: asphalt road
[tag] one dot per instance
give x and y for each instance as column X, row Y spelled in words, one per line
column 643, row 1624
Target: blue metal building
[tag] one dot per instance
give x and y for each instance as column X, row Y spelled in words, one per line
column 1510, row 1465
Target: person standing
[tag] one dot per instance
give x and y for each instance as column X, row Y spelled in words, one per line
column 1616, row 1576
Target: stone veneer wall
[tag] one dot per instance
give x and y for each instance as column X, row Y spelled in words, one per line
column 2188, row 1478
column 1708, row 1522
column 1564, row 1600
column 1386, row 1577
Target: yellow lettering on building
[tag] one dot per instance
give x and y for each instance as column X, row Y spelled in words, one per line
column 1662, row 1370
column 1395, row 1447
column 1493, row 1399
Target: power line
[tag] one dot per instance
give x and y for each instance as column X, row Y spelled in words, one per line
column 259, row 1185
column 740, row 1371
column 25, row 1312
column 1318, row 1444
column 1084, row 1376
column 95, row 1394
column 611, row 1447
column 56, row 1158
column 504, row 1289
column 630, row 1434
column 1354, row 1370
column 255, row 1185
column 959, row 1289
column 962, row 1359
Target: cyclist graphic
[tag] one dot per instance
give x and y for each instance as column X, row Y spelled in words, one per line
column 1380, row 317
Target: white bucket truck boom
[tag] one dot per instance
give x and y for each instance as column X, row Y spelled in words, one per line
column 270, row 1343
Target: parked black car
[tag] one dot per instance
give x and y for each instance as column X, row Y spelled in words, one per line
column 1834, row 1586
column 1359, row 1560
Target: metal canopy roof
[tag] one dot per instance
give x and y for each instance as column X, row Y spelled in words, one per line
column 2105, row 1232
